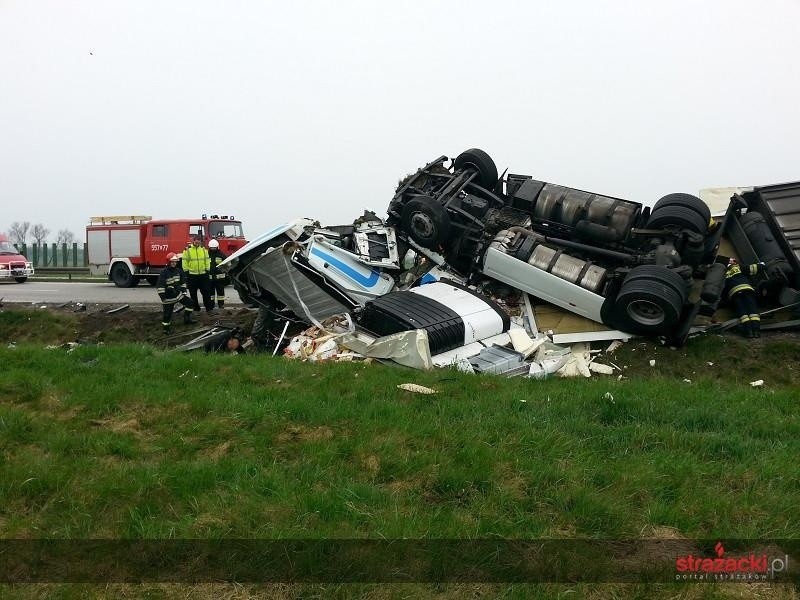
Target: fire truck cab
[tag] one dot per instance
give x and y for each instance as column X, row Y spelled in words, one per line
column 130, row 248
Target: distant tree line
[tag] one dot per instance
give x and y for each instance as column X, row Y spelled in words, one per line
column 22, row 232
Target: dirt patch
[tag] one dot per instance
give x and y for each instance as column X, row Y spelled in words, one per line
column 219, row 451
column 725, row 358
column 371, row 464
column 511, row 481
column 90, row 324
column 119, row 426
column 301, row 433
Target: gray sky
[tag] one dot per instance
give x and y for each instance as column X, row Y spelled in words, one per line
column 271, row 110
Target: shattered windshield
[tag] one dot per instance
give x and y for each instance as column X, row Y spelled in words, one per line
column 228, row 229
column 7, row 248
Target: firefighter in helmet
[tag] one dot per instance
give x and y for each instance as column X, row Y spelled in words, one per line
column 171, row 288
column 219, row 279
column 740, row 293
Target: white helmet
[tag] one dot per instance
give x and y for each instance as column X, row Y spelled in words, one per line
column 213, row 244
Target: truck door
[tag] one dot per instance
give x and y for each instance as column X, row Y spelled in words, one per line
column 157, row 244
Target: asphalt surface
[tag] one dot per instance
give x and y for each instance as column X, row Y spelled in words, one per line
column 97, row 293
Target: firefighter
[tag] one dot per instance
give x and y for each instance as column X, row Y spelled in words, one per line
column 218, row 279
column 197, row 265
column 743, row 297
column 171, row 288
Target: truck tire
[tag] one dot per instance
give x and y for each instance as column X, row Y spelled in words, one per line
column 477, row 159
column 122, row 277
column 679, row 217
column 426, row 221
column 686, row 201
column 650, row 301
column 20, row 279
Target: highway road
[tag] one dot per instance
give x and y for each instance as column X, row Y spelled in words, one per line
column 89, row 293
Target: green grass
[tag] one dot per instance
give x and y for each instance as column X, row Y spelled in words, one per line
column 129, row 441
column 132, row 442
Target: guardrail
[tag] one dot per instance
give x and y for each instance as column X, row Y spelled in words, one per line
column 68, row 271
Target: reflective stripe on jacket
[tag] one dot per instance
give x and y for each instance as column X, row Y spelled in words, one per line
column 217, row 256
column 736, row 281
column 171, row 282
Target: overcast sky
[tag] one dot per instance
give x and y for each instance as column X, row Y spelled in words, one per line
column 271, row 110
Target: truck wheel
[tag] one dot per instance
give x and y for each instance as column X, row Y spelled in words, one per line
column 686, row 201
column 682, row 211
column 20, row 279
column 477, row 159
column 677, row 217
column 650, row 301
column 122, row 277
column 426, row 221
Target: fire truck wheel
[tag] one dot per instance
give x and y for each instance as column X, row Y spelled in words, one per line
column 477, row 159
column 426, row 221
column 122, row 277
column 650, row 301
column 20, row 279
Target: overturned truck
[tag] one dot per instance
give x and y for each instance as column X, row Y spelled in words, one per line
column 641, row 270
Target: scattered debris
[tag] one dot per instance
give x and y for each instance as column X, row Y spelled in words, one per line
column 407, row 348
column 118, row 309
column 600, row 368
column 608, row 396
column 499, row 361
column 687, row 380
column 757, row 383
column 652, row 362
column 415, row 389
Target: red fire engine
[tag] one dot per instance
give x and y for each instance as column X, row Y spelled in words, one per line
column 131, row 248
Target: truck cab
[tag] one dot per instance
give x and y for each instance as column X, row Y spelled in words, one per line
column 12, row 263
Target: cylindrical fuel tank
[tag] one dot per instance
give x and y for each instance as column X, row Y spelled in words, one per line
column 569, row 206
column 564, row 266
column 761, row 238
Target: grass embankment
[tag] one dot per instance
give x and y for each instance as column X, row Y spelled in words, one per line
column 132, row 442
column 129, row 441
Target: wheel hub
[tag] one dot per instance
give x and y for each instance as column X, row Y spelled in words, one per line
column 422, row 225
column 646, row 312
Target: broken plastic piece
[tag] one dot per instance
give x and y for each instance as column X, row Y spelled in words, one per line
column 600, row 368
column 416, row 389
column 407, row 348
column 542, row 368
column 757, row 383
column 118, row 309
column 523, row 343
column 497, row 360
